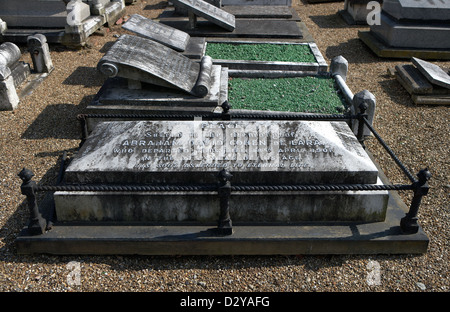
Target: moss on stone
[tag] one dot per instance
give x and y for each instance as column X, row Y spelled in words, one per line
column 303, row 94
column 261, row 52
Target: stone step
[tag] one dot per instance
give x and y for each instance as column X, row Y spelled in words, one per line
column 384, row 237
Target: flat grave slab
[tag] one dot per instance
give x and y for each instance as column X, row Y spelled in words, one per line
column 243, row 11
column 245, row 28
column 300, row 152
column 258, row 11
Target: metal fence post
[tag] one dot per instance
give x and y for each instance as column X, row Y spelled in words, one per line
column 409, row 223
column 224, row 225
column 37, row 224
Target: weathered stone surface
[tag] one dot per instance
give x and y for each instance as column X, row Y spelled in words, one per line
column 432, row 72
column 116, row 92
column 148, row 61
column 209, row 12
column 269, row 206
column 424, row 10
column 161, row 33
column 193, row 152
column 40, row 53
column 189, row 152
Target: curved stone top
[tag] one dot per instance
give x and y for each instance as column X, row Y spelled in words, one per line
column 9, row 54
column 137, row 58
column 429, row 10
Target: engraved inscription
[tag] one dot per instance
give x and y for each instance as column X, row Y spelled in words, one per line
column 161, row 33
column 220, row 145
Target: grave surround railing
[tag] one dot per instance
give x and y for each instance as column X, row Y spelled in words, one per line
column 409, row 223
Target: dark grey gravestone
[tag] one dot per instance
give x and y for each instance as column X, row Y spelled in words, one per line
column 245, row 28
column 32, row 13
column 425, row 10
column 185, row 152
column 145, row 60
column 258, row 11
column 169, row 36
column 432, row 72
column 209, row 12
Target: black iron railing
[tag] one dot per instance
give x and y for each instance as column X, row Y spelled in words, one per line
column 224, row 187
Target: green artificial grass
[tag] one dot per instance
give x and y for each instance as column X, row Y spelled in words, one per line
column 261, row 52
column 303, row 94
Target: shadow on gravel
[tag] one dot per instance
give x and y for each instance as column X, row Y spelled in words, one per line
column 19, row 219
column 354, row 51
column 85, row 76
column 54, row 115
column 156, row 6
column 331, row 21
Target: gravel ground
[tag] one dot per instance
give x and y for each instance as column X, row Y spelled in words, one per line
column 36, row 134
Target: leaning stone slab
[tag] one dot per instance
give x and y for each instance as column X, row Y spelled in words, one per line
column 169, row 36
column 209, row 12
column 148, row 61
column 432, row 72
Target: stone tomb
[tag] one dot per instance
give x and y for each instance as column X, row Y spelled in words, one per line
column 61, row 21
column 411, row 28
column 193, row 152
column 426, row 82
column 217, row 22
column 220, row 188
column 146, row 76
